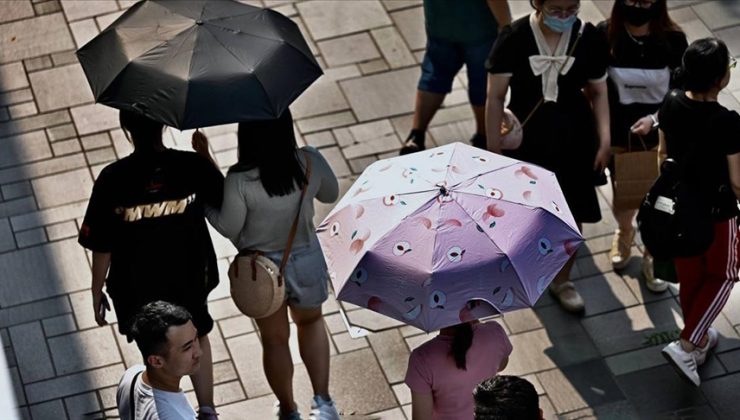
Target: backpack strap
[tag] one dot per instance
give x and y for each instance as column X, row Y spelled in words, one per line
column 131, row 400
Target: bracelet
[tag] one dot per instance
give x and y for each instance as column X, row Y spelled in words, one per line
column 655, row 121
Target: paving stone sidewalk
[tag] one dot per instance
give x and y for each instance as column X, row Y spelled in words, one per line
column 54, row 141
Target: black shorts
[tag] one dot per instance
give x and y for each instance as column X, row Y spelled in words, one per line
column 125, row 312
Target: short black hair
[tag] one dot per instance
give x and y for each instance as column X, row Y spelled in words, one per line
column 145, row 132
column 151, row 323
column 506, row 398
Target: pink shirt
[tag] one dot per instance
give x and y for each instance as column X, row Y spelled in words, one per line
column 432, row 369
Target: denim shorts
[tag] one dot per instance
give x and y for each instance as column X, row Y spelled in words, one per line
column 306, row 276
column 443, row 59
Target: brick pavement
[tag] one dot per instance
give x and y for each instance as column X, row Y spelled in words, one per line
column 54, row 141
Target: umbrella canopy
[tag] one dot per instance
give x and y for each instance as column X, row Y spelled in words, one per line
column 197, row 63
column 448, row 235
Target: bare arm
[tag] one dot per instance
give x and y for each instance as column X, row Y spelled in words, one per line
column 229, row 221
column 500, row 10
column 662, row 150
column 597, row 94
column 497, row 86
column 733, row 163
column 422, row 406
column 100, row 265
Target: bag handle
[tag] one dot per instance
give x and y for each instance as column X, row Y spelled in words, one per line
column 630, row 135
column 562, row 66
column 294, row 228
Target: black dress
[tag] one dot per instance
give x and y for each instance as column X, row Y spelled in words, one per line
column 561, row 136
column 639, row 78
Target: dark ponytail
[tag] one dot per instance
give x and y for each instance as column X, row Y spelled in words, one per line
column 704, row 65
column 461, row 343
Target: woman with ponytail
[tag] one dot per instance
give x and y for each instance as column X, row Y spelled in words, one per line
column 701, row 136
column 443, row 372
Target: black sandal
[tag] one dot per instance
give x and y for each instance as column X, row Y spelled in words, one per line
column 414, row 143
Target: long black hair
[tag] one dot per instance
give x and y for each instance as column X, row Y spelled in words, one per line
column 144, row 133
column 461, row 342
column 660, row 24
column 705, row 63
column 270, row 146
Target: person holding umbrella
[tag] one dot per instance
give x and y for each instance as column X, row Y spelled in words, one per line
column 146, row 228
column 442, row 372
column 261, row 194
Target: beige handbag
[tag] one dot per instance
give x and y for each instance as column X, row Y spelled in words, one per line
column 257, row 283
column 635, row 171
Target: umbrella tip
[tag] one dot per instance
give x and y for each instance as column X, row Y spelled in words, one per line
column 198, row 22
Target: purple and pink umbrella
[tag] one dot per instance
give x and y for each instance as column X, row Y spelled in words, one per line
column 448, row 235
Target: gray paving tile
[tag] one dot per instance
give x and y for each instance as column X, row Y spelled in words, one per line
column 38, row 63
column 248, row 352
column 74, row 384
column 63, row 188
column 393, row 47
column 392, row 353
column 640, row 389
column 605, row 293
column 30, row 237
column 79, row 9
column 391, row 5
column 260, row 408
column 731, row 36
column 718, row 14
column 60, row 87
column 382, row 95
column 33, row 123
column 522, row 320
column 411, row 25
column 34, row 363
column 95, row 117
column 632, row 328
column 324, row 122
column 83, row 31
column 34, row 311
column 34, row 37
column 15, row 379
column 82, row 406
column 100, row 156
column 322, row 97
column 374, row 66
column 22, row 110
column 46, row 7
column 48, row 216
column 348, row 49
column 49, row 410
column 61, row 132
column 12, row 76
column 636, row 360
column 41, row 272
column 59, row 325
column 99, row 350
column 337, row 162
column 24, row 148
column 18, row 9
column 326, row 19
column 64, row 58
column 6, row 236
column 15, row 97
column 105, row 20
column 239, row 325
column 579, row 386
column 17, row 206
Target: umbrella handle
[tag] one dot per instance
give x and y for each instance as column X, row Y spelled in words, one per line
column 354, row 332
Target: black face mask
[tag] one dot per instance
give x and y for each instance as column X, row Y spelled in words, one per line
column 637, row 16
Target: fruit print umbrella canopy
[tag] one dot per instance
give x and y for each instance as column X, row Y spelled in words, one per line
column 448, row 235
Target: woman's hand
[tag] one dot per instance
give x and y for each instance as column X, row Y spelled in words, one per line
column 100, row 305
column 643, row 126
column 200, row 143
column 602, row 159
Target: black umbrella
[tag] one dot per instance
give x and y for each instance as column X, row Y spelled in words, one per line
column 196, row 63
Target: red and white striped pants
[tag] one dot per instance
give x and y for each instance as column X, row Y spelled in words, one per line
column 706, row 280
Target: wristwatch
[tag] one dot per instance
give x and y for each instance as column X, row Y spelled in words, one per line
column 655, row 121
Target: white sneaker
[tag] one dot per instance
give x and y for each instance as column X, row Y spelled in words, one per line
column 684, row 362
column 322, row 409
column 701, row 353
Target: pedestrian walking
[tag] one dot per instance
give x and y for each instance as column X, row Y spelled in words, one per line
column 168, row 341
column 145, row 225
column 555, row 65
column 459, row 32
column 261, row 194
column 443, row 371
column 701, row 136
column 645, row 46
column 505, row 397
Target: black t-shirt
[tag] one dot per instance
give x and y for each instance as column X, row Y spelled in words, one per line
column 640, row 71
column 147, row 210
column 703, row 134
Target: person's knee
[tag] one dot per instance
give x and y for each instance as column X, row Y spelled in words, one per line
column 303, row 318
column 275, row 337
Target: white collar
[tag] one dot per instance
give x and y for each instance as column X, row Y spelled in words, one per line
column 548, row 64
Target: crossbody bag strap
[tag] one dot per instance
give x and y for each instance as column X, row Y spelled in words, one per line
column 294, row 228
column 131, row 400
column 562, row 66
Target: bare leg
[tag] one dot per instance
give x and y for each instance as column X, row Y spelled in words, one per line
column 276, row 358
column 203, row 380
column 427, row 104
column 624, row 219
column 564, row 274
column 314, row 347
column 480, row 119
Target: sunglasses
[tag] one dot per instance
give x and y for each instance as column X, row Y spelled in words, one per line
column 645, row 4
column 733, row 63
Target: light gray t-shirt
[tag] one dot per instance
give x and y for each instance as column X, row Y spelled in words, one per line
column 253, row 220
column 150, row 403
